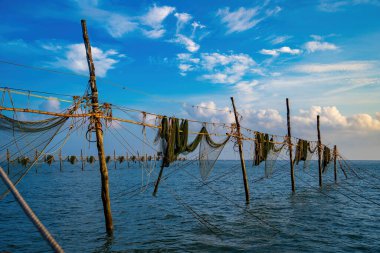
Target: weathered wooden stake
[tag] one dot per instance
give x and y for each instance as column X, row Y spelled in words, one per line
column 158, row 178
column 82, row 159
column 335, row 154
column 8, row 161
column 60, row 160
column 36, row 157
column 240, row 143
column 319, row 153
column 290, row 148
column 99, row 133
column 114, row 158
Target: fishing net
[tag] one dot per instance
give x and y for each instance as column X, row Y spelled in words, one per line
column 174, row 136
column 310, row 151
column 272, row 156
column 23, row 142
column 326, row 158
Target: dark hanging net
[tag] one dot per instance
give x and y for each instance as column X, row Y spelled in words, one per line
column 174, row 136
column 22, row 143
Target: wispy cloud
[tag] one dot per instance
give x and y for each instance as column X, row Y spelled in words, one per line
column 339, row 5
column 188, row 43
column 182, row 19
column 220, row 68
column 74, row 58
column 280, row 39
column 281, row 50
column 154, row 18
column 313, row 46
column 335, row 67
column 244, row 19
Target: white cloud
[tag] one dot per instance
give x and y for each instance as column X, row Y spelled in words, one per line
column 334, row 67
column 334, row 5
column 51, row 46
column 196, row 25
column 243, row 19
column 51, row 105
column 75, row 59
column 209, row 112
column 182, row 19
column 280, row 39
column 118, row 25
column 220, row 68
column 313, row 46
column 245, row 90
column 281, row 50
column 239, row 20
column 331, row 117
column 154, row 18
column 189, row 44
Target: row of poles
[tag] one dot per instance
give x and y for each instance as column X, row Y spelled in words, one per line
column 96, row 121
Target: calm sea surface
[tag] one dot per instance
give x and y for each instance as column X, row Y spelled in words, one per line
column 190, row 216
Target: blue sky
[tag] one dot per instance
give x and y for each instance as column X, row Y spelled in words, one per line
column 322, row 55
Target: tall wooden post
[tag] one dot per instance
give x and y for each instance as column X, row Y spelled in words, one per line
column 319, row 153
column 335, row 173
column 82, row 159
column 8, row 161
column 240, row 143
column 290, row 148
column 99, row 133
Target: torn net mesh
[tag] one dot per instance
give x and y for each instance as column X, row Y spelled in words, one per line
column 22, row 142
column 273, row 154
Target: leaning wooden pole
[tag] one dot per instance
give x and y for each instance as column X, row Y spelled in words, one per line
column 8, row 161
column 335, row 172
column 319, row 153
column 60, row 160
column 290, row 148
column 240, row 143
column 99, row 133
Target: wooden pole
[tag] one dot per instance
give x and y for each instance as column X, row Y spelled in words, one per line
column 114, row 158
column 8, row 161
column 335, row 173
column 36, row 157
column 319, row 153
column 99, row 133
column 290, row 148
column 158, row 178
column 60, row 160
column 240, row 143
column 81, row 159
column 127, row 160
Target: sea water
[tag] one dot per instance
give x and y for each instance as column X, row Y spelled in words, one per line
column 192, row 215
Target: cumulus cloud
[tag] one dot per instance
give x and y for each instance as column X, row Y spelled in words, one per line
column 196, row 25
column 188, row 43
column 281, row 50
column 330, row 116
column 244, row 19
column 245, row 90
column 75, row 59
column 209, row 112
column 313, row 46
column 348, row 66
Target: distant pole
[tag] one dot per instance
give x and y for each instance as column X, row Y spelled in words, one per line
column 290, row 148
column 335, row 154
column 127, row 160
column 242, row 162
column 82, row 159
column 60, row 160
column 114, row 158
column 36, row 157
column 105, row 194
column 8, row 161
column 319, row 153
